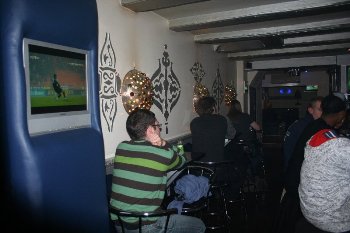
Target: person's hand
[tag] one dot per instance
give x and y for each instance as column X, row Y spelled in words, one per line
column 156, row 140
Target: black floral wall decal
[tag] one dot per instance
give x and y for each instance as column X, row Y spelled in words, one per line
column 218, row 89
column 199, row 89
column 198, row 72
column 109, row 83
column 166, row 86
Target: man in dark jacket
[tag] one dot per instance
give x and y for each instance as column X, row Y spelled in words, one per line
column 294, row 131
column 333, row 115
column 209, row 130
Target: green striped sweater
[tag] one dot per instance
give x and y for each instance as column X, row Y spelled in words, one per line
column 139, row 176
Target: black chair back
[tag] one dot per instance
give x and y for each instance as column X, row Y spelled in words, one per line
column 193, row 208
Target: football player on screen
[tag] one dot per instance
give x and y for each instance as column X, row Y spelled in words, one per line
column 57, row 87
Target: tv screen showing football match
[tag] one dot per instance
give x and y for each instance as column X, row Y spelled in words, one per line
column 57, row 80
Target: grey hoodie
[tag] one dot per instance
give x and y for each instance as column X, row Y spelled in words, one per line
column 324, row 188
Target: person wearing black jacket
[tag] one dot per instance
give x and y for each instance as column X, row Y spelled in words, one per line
column 294, row 131
column 333, row 115
column 209, row 130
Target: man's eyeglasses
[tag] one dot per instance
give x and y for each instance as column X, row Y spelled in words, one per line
column 158, row 125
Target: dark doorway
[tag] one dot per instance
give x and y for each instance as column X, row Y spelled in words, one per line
column 277, row 120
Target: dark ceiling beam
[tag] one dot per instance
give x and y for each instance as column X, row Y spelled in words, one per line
column 286, row 51
column 272, row 42
column 290, row 30
column 240, row 46
column 294, row 62
column 317, row 39
column 150, row 5
column 258, row 13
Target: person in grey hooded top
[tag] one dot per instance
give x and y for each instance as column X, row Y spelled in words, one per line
column 324, row 188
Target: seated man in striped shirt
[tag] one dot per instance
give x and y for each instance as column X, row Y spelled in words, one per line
column 139, row 175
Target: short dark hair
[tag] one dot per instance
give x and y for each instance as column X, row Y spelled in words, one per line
column 205, row 105
column 332, row 104
column 138, row 121
column 235, row 110
column 236, row 106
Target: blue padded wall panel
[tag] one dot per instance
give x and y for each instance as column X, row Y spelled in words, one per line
column 57, row 179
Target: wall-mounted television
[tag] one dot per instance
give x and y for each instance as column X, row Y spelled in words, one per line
column 57, row 86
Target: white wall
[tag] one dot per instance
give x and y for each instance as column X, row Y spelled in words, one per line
column 239, row 72
column 138, row 41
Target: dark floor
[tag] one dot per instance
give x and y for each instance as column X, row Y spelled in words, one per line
column 262, row 207
column 263, row 213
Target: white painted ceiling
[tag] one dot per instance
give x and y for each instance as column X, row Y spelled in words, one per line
column 252, row 30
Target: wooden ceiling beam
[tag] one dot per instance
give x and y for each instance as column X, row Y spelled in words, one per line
column 286, row 51
column 315, row 39
column 294, row 62
column 258, row 13
column 150, row 5
column 290, row 30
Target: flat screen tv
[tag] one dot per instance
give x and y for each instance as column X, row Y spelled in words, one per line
column 57, row 84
